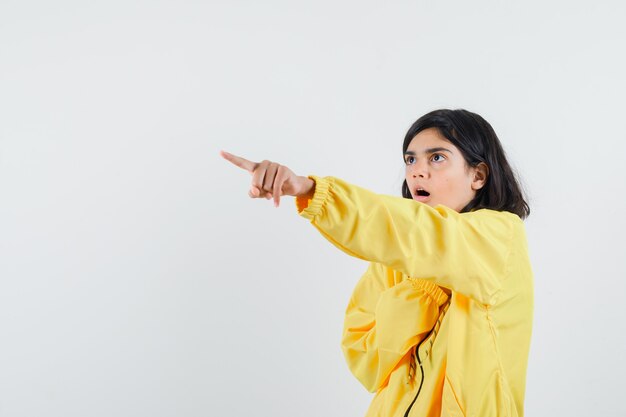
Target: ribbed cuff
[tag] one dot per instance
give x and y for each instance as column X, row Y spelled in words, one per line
column 430, row 288
column 310, row 208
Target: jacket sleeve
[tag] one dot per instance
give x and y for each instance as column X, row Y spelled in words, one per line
column 384, row 321
column 466, row 252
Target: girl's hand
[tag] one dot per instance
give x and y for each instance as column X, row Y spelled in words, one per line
column 270, row 179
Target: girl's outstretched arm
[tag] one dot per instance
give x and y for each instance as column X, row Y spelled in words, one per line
column 272, row 180
column 467, row 253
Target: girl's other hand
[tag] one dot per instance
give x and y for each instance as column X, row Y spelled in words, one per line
column 272, row 180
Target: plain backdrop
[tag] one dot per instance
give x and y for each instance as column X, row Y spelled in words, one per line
column 138, row 279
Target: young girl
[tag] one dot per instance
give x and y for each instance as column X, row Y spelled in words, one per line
column 440, row 323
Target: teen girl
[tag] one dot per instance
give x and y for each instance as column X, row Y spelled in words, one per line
column 440, row 323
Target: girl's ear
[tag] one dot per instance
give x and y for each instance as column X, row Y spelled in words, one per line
column 481, row 172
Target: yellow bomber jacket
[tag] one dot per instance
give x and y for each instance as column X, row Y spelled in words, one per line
column 440, row 323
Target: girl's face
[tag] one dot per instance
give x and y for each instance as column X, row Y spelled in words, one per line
column 436, row 172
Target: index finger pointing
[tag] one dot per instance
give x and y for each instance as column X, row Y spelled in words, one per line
column 239, row 161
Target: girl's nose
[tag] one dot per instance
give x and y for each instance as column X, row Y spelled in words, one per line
column 420, row 170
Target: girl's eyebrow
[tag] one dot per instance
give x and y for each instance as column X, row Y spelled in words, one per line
column 429, row 150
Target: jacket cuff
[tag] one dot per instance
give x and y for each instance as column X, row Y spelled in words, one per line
column 433, row 290
column 309, row 208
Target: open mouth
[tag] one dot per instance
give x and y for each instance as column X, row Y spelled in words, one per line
column 422, row 193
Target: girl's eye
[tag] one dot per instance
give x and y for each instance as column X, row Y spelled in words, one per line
column 409, row 160
column 437, row 157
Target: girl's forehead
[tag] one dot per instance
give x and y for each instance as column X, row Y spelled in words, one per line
column 429, row 139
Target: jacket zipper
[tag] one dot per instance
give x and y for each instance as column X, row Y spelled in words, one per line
column 417, row 356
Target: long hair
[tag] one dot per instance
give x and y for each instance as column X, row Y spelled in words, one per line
column 478, row 142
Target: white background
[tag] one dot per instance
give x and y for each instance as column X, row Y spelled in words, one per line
column 138, row 279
